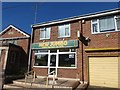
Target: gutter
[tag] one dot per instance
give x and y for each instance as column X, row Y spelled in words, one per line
column 30, row 54
column 86, row 16
column 81, row 33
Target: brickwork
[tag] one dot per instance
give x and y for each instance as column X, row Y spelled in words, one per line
column 20, row 46
column 102, row 40
column 41, row 71
column 12, row 33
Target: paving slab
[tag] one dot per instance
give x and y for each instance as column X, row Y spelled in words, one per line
column 40, row 83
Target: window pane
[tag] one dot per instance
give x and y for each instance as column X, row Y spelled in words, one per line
column 53, row 60
column 42, row 51
column 64, row 50
column 41, row 60
column 94, row 20
column 47, row 32
column 107, row 24
column 67, row 30
column 118, row 23
column 95, row 27
column 42, row 34
column 73, row 50
column 13, row 56
column 61, row 31
column 67, row 60
column 53, row 51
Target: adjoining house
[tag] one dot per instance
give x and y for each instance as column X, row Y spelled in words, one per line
column 82, row 47
column 14, row 51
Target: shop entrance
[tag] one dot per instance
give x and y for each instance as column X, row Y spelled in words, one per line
column 53, row 64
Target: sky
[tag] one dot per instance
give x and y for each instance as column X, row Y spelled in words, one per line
column 24, row 14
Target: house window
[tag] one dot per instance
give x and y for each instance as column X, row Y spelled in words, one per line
column 45, row 33
column 104, row 24
column 13, row 56
column 118, row 22
column 64, row 30
column 10, row 41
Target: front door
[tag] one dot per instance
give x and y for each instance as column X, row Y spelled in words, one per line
column 52, row 64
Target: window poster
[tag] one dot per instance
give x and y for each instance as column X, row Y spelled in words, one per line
column 71, row 55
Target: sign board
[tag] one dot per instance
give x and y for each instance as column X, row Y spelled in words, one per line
column 55, row 44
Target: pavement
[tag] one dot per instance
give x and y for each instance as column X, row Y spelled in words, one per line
column 40, row 84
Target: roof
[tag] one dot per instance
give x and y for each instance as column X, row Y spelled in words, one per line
column 19, row 30
column 86, row 16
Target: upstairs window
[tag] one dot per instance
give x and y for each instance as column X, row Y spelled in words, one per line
column 118, row 22
column 64, row 30
column 45, row 33
column 104, row 24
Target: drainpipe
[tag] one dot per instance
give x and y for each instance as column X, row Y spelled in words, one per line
column 81, row 34
column 29, row 59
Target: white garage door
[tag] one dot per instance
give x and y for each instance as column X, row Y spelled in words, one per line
column 103, row 71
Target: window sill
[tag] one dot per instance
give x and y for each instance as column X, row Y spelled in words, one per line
column 40, row 66
column 105, row 32
column 67, row 67
column 64, row 37
column 44, row 38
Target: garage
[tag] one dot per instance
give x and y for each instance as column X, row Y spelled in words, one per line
column 104, row 71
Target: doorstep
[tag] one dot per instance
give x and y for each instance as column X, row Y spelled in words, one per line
column 41, row 83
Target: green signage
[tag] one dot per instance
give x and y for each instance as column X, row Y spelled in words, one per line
column 55, row 44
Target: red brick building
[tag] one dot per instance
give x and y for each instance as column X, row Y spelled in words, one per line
column 14, row 50
column 83, row 47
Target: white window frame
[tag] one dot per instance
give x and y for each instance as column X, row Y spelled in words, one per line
column 68, row 53
column 64, row 30
column 57, row 53
column 41, row 29
column 116, row 22
column 99, row 26
column 43, row 54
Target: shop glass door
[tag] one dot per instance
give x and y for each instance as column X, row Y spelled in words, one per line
column 52, row 65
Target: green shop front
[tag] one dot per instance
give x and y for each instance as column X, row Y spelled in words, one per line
column 55, row 56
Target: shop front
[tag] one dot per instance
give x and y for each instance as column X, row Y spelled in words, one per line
column 55, row 55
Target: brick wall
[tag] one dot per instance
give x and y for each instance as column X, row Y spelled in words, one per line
column 12, row 33
column 66, row 73
column 97, row 41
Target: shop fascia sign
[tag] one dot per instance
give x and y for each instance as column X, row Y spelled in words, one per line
column 55, row 44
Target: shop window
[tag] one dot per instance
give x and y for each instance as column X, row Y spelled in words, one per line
column 41, row 60
column 104, row 24
column 45, row 33
column 64, row 30
column 73, row 50
column 67, row 60
column 44, row 51
column 64, row 50
column 40, row 51
column 53, row 51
